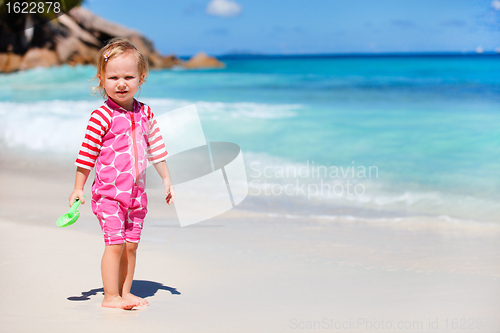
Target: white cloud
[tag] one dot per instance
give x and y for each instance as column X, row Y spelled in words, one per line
column 495, row 4
column 227, row 8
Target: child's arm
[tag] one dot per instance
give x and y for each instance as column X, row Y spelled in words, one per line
column 80, row 179
column 164, row 173
column 97, row 127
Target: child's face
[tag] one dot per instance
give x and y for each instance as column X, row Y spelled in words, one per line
column 121, row 80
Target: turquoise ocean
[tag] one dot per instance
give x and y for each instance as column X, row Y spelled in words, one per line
column 370, row 137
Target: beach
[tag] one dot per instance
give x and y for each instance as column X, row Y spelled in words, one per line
column 372, row 206
column 336, row 167
column 243, row 271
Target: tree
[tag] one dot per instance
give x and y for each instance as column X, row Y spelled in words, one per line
column 28, row 24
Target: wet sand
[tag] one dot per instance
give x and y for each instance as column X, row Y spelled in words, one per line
column 243, row 271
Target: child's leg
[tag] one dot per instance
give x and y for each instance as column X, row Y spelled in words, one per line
column 110, row 267
column 133, row 227
column 111, row 216
column 127, row 269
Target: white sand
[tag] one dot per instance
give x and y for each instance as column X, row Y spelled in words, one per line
column 240, row 272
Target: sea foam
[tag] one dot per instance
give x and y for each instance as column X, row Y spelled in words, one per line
column 58, row 126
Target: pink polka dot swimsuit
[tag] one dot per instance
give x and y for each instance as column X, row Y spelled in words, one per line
column 119, row 143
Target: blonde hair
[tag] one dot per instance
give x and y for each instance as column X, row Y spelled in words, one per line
column 113, row 48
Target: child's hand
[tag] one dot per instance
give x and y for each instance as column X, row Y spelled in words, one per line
column 76, row 194
column 169, row 191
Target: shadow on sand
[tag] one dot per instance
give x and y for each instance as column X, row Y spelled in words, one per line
column 139, row 288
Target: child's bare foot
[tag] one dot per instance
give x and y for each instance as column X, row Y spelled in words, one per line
column 132, row 298
column 119, row 303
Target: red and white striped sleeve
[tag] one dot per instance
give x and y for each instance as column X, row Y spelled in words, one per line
column 97, row 126
column 156, row 146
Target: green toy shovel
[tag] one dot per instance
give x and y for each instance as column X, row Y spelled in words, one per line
column 71, row 217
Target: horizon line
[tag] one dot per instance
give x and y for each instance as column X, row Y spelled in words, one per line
column 250, row 55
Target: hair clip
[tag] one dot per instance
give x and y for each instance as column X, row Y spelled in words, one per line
column 106, row 55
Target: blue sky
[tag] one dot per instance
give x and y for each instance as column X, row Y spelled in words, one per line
column 309, row 26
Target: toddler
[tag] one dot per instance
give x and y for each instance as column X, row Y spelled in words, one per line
column 120, row 138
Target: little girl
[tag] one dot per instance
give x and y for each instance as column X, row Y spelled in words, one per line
column 120, row 138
